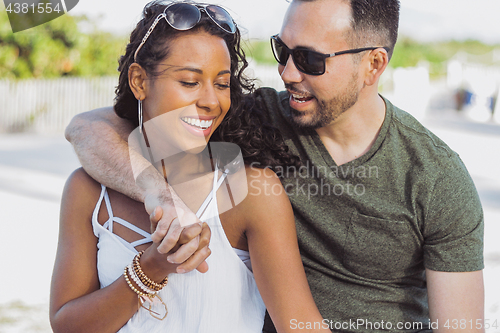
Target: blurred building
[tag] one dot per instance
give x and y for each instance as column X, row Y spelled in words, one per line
column 476, row 83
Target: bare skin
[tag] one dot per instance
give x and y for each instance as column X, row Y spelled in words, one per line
column 262, row 223
column 322, row 25
column 273, row 248
column 75, row 284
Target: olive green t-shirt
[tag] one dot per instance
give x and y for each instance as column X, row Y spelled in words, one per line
column 368, row 229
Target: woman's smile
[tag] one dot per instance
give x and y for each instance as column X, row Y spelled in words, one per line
column 190, row 98
column 199, row 125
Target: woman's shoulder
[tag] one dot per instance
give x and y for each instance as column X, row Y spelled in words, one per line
column 81, row 192
column 266, row 205
column 261, row 179
column 265, row 191
column 264, row 194
column 79, row 180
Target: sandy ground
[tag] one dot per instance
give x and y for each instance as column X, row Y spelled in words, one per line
column 33, row 169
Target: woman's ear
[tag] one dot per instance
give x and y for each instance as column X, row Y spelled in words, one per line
column 378, row 60
column 137, row 81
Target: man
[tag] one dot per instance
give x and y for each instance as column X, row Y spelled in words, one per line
column 389, row 223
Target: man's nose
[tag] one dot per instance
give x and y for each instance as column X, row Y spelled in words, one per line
column 289, row 73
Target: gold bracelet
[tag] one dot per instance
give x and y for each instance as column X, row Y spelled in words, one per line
column 134, row 289
column 144, row 278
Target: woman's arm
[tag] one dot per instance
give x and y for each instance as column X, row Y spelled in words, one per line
column 276, row 261
column 77, row 303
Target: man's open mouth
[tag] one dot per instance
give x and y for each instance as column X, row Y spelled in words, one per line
column 300, row 98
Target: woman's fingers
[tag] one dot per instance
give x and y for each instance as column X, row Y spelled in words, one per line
column 193, row 253
column 190, row 232
column 205, row 235
column 203, row 267
column 187, row 243
column 183, row 216
column 184, row 251
column 197, row 259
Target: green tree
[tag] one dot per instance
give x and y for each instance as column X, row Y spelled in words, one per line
column 57, row 48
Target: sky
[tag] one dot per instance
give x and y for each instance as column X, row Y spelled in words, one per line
column 424, row 20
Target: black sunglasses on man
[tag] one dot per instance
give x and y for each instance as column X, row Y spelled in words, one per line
column 308, row 61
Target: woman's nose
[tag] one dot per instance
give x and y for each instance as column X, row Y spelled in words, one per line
column 208, row 99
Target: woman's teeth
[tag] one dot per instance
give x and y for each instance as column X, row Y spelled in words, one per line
column 203, row 124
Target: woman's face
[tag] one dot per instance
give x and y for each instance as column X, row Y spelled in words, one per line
column 188, row 101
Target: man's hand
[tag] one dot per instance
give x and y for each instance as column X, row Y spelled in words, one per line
column 188, row 246
column 100, row 141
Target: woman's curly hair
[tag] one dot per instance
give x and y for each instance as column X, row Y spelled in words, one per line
column 258, row 140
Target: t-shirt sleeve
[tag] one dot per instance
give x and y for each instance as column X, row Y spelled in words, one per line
column 454, row 223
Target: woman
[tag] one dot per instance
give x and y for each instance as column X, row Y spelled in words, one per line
column 183, row 62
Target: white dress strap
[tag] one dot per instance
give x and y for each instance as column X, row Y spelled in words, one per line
column 111, row 218
column 95, row 213
column 98, row 204
column 131, row 226
column 145, row 234
column 210, row 196
column 109, row 223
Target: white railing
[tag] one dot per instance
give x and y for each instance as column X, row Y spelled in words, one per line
column 48, row 105
column 44, row 105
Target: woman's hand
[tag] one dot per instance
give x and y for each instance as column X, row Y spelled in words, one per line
column 186, row 249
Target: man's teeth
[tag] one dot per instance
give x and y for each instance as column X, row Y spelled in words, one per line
column 300, row 99
column 203, row 124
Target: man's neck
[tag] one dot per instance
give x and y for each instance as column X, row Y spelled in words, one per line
column 351, row 135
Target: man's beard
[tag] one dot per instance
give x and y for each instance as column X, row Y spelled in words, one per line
column 328, row 110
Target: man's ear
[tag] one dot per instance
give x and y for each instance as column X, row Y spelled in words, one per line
column 377, row 63
column 137, row 80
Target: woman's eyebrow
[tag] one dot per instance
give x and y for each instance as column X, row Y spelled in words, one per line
column 190, row 69
column 199, row 71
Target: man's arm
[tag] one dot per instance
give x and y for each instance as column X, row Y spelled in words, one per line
column 456, row 301
column 99, row 138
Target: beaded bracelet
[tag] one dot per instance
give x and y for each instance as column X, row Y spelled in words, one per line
column 143, row 298
column 134, row 289
column 138, row 282
column 144, row 278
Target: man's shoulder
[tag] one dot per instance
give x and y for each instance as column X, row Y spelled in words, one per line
column 415, row 136
column 422, row 152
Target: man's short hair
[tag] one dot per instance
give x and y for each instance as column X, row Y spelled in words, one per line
column 374, row 23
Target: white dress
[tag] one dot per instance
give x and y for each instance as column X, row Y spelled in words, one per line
column 225, row 299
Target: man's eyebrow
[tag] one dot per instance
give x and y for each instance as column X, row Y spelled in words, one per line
column 309, row 48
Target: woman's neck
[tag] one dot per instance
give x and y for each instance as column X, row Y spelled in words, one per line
column 183, row 167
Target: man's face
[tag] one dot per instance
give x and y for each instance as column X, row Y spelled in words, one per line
column 322, row 26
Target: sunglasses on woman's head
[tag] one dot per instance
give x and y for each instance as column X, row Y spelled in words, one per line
column 184, row 16
column 308, row 61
